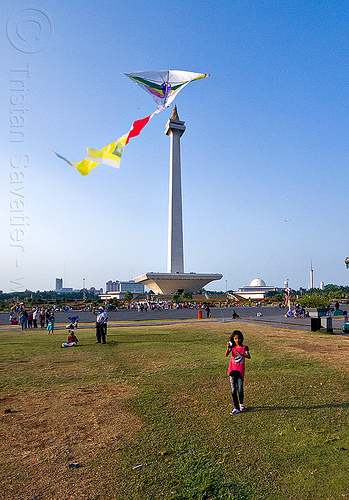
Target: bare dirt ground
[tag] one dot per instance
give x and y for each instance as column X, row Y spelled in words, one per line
column 49, row 430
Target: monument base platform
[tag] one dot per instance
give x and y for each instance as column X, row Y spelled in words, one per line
column 168, row 283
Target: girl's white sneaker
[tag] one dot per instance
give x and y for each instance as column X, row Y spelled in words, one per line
column 242, row 408
column 234, row 412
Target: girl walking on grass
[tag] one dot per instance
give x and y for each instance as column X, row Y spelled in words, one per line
column 50, row 325
column 236, row 371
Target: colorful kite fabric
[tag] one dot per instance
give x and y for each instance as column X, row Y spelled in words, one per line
column 163, row 86
column 111, row 154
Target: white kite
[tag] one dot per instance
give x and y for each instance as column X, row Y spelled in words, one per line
column 163, row 87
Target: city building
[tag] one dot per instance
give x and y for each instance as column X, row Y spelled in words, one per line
column 96, row 291
column 59, row 284
column 112, row 286
column 59, row 288
column 117, row 289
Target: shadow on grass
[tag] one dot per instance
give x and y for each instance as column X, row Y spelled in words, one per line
column 304, row 407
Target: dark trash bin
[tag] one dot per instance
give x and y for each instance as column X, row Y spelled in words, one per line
column 326, row 323
column 315, row 324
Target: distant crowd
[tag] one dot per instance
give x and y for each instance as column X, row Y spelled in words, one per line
column 32, row 318
column 35, row 317
column 153, row 306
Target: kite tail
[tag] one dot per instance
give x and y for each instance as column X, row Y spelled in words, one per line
column 110, row 154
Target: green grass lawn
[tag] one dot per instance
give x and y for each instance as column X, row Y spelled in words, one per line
column 159, row 398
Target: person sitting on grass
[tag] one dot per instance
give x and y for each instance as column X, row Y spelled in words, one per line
column 72, row 340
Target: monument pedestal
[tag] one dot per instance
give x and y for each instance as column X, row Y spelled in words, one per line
column 168, row 283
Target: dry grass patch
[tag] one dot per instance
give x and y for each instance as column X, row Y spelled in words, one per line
column 327, row 348
column 48, row 430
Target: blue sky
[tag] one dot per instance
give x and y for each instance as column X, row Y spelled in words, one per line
column 266, row 141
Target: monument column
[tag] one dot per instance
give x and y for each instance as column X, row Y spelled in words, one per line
column 175, row 257
column 175, row 280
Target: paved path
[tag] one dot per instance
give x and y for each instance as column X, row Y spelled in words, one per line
column 272, row 316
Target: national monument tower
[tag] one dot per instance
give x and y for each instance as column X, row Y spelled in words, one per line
column 175, row 280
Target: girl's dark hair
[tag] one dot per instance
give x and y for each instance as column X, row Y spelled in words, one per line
column 239, row 334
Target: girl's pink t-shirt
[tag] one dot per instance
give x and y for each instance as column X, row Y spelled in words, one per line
column 237, row 362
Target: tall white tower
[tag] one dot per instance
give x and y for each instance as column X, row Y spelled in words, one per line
column 175, row 257
column 175, row 279
column 311, row 275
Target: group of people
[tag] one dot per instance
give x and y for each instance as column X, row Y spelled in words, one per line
column 45, row 317
column 101, row 328
column 27, row 319
column 297, row 312
column 30, row 319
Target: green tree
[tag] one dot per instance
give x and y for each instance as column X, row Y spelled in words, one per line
column 128, row 296
column 277, row 297
column 186, row 296
column 314, row 300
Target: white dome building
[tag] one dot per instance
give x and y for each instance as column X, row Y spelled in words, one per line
column 257, row 282
column 257, row 290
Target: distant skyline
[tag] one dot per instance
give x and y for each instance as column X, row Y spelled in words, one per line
column 207, row 287
column 264, row 156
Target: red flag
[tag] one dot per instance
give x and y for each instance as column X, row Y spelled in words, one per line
column 137, row 127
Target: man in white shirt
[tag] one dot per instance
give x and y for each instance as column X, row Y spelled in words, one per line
column 35, row 317
column 101, row 324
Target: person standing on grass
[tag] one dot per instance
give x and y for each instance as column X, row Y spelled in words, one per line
column 42, row 317
column 23, row 318
column 35, row 317
column 101, row 324
column 50, row 324
column 30, row 319
column 236, row 371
